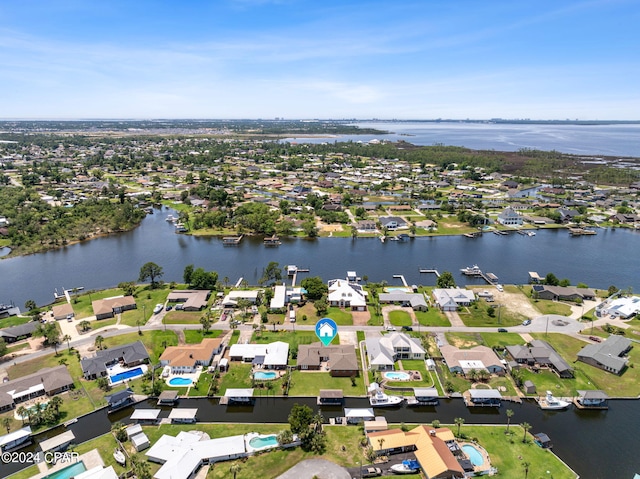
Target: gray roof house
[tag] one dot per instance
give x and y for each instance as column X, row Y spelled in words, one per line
column 14, row 333
column 509, row 217
column 415, row 300
column 49, row 381
column 129, row 354
column 392, row 222
column 541, row 353
column 569, row 293
column 608, row 355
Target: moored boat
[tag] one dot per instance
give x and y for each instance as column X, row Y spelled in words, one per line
column 471, row 270
column 551, row 402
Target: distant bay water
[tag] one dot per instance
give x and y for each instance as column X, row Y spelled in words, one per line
column 605, row 140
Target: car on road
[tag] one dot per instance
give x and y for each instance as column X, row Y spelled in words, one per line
column 371, row 472
column 526, row 322
column 390, row 328
column 502, row 330
column 407, row 328
column 159, row 307
column 595, row 338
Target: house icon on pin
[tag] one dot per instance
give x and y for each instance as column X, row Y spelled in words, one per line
column 326, row 331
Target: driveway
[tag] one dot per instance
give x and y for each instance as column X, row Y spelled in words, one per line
column 320, row 468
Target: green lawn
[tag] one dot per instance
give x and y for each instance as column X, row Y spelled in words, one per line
column 433, row 317
column 428, row 378
column 309, row 383
column 375, row 319
column 340, row 316
column 154, row 341
column 14, row 321
column 238, row 377
column 400, row 318
column 195, row 336
column 182, row 317
column 97, row 324
column 478, row 315
column 552, row 307
column 507, row 452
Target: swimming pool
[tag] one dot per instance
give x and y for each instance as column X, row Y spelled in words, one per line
column 130, row 374
column 474, row 455
column 397, row 289
column 259, row 442
column 264, row 375
column 180, row 382
column 68, row 472
column 397, row 376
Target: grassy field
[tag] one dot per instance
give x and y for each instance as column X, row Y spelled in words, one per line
column 14, row 321
column 97, row 324
column 309, row 383
column 470, row 340
column 477, row 315
column 376, row 319
column 182, row 317
column 340, row 316
column 400, row 318
column 433, row 317
column 546, row 306
column 195, row 336
column 626, row 385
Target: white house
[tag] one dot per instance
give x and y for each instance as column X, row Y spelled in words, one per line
column 623, row 308
column 383, row 352
column 449, row 299
column 231, row 299
column 270, row 356
column 509, row 217
column 344, row 294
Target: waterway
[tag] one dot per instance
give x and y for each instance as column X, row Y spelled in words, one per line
column 610, row 257
column 596, row 444
column 588, row 140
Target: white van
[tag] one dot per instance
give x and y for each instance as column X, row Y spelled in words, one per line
column 292, row 316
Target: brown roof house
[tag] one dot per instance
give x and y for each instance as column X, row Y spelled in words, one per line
column 62, row 311
column 193, row 299
column 109, row 307
column 186, row 358
column 339, row 360
column 49, row 381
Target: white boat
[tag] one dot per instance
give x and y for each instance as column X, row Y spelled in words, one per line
column 380, row 399
column 550, row 402
column 531, row 233
column 170, row 218
column 118, row 455
column 471, row 270
column 406, row 467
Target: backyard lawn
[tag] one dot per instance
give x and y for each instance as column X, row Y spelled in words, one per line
column 340, row 316
column 309, row 383
column 433, row 317
column 182, row 317
column 478, row 315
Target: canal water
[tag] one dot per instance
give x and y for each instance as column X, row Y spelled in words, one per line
column 610, row 257
column 596, row 444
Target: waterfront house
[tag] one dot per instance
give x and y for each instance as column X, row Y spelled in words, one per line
column 414, row 300
column 193, row 299
column 539, row 353
column 339, row 360
column 366, row 226
column 383, row 352
column 109, row 307
column 120, row 399
column 7, row 310
column 393, row 223
column 47, row 381
column 268, row 356
column 126, row 355
column 231, row 299
column 433, row 449
column 608, row 355
column 509, row 217
column 623, row 308
column 187, row 357
column 450, row 298
column 62, row 311
column 560, row 293
column 345, row 294
column 479, row 358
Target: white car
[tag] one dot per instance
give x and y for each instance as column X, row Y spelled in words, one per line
column 499, row 287
column 158, row 308
column 391, row 328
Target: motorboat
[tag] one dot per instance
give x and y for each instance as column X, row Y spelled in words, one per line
column 407, row 466
column 471, row 270
column 551, row 402
column 379, row 399
column 118, row 455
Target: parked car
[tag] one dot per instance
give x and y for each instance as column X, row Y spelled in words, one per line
column 391, row 328
column 168, row 308
column 69, row 317
column 179, row 307
column 371, row 472
column 526, row 322
column 407, row 328
column 499, row 287
column 159, row 307
column 502, row 330
column 595, row 338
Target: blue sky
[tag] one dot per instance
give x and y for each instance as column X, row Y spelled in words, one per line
column 320, row 59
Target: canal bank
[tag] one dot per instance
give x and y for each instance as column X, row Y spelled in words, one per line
column 596, row 444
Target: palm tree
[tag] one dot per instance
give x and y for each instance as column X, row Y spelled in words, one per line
column 226, row 280
column 510, row 414
column 85, row 325
column 7, row 424
column 380, row 442
column 22, row 412
column 67, row 338
column 55, row 403
column 235, row 469
column 99, row 341
column 526, row 426
column 458, row 422
column 526, row 469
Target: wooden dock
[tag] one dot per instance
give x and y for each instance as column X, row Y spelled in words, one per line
column 581, row 232
column 232, row 240
column 272, row 241
column 434, row 271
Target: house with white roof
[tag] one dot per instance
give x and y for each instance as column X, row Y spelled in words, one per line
column 270, row 356
column 449, row 299
column 623, row 308
column 509, row 217
column 382, row 353
column 231, row 299
column 345, row 294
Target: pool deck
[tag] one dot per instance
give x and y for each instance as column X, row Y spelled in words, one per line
column 117, row 369
column 486, row 465
column 91, row 459
column 193, row 376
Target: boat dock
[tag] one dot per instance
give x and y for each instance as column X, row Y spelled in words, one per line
column 476, row 272
column 401, row 278
column 581, row 232
column 232, row 240
column 273, row 241
column 434, row 271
